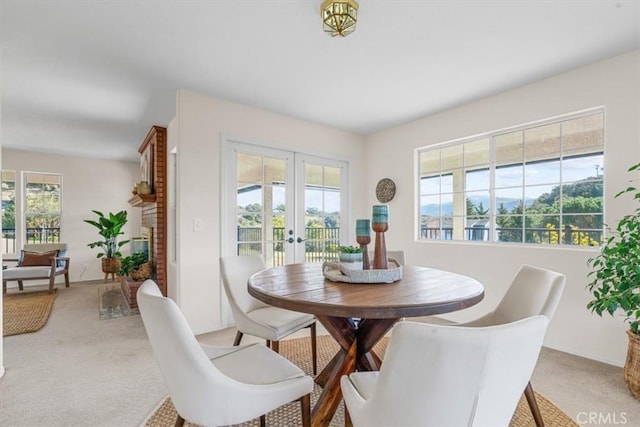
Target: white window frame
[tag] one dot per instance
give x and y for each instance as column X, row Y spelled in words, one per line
column 16, row 219
column 492, row 166
column 23, row 198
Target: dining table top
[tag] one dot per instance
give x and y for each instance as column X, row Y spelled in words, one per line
column 421, row 291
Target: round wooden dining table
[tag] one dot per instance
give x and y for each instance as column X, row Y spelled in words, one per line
column 358, row 315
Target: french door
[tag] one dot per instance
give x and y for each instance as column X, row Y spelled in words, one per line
column 289, row 207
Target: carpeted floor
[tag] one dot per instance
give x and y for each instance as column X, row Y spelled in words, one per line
column 299, row 351
column 82, row 371
column 25, row 311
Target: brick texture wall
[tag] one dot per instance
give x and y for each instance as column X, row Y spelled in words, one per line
column 154, row 214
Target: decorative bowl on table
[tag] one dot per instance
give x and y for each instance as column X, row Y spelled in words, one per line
column 339, row 272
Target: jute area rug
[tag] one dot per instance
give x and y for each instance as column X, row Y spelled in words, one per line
column 299, row 352
column 26, row 312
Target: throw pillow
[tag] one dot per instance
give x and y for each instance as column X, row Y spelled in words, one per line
column 30, row 259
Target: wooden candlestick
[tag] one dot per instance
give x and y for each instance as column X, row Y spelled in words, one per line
column 364, row 241
column 380, row 250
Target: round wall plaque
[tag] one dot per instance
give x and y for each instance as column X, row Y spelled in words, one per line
column 385, row 190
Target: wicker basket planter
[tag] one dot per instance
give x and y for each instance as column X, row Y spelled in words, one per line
column 632, row 365
column 110, row 265
column 143, row 272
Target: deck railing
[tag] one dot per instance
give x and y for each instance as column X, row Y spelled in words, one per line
column 321, row 243
column 34, row 235
column 543, row 235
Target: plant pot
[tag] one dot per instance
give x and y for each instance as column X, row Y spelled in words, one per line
column 632, row 365
column 110, row 265
column 351, row 257
column 143, row 188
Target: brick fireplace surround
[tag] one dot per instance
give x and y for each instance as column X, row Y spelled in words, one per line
column 154, row 211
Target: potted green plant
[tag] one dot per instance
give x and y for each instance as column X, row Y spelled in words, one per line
column 136, row 266
column 350, row 253
column 615, row 282
column 110, row 228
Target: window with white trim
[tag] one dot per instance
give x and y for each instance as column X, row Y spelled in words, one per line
column 8, row 211
column 42, row 207
column 539, row 184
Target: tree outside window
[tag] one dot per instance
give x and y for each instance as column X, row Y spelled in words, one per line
column 540, row 184
column 8, row 212
column 43, row 207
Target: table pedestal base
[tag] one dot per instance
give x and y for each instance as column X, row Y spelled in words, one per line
column 355, row 355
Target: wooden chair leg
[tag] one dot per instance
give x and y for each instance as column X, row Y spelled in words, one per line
column 66, row 280
column 314, row 354
column 179, row 421
column 20, row 286
column 238, row 338
column 275, row 346
column 52, row 283
column 4, row 287
column 533, row 405
column 263, row 420
column 305, row 406
column 347, row 418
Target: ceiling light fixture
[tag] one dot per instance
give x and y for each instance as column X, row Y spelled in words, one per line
column 339, row 16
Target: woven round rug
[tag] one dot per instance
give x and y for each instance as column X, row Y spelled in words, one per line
column 26, row 312
column 299, row 352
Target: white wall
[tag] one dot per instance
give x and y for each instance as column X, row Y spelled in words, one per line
column 201, row 121
column 88, row 184
column 172, row 265
column 614, row 84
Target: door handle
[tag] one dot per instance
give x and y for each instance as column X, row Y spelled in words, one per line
column 300, row 240
column 289, row 240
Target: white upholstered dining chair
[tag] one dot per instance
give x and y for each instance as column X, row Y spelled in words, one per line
column 435, row 375
column 253, row 317
column 398, row 255
column 214, row 386
column 533, row 291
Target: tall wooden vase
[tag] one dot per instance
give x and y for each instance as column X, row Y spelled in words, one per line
column 380, row 224
column 363, row 237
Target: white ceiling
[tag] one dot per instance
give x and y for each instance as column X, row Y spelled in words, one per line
column 90, row 78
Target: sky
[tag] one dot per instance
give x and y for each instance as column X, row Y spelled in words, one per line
column 539, row 178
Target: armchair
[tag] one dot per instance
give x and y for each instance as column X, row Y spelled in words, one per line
column 38, row 261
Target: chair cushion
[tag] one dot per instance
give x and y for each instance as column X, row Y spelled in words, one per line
column 30, row 259
column 247, row 365
column 282, row 322
column 23, row 273
column 46, row 247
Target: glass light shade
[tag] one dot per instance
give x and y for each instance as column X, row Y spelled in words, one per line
column 339, row 17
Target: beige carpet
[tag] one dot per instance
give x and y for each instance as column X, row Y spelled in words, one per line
column 299, row 352
column 25, row 312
